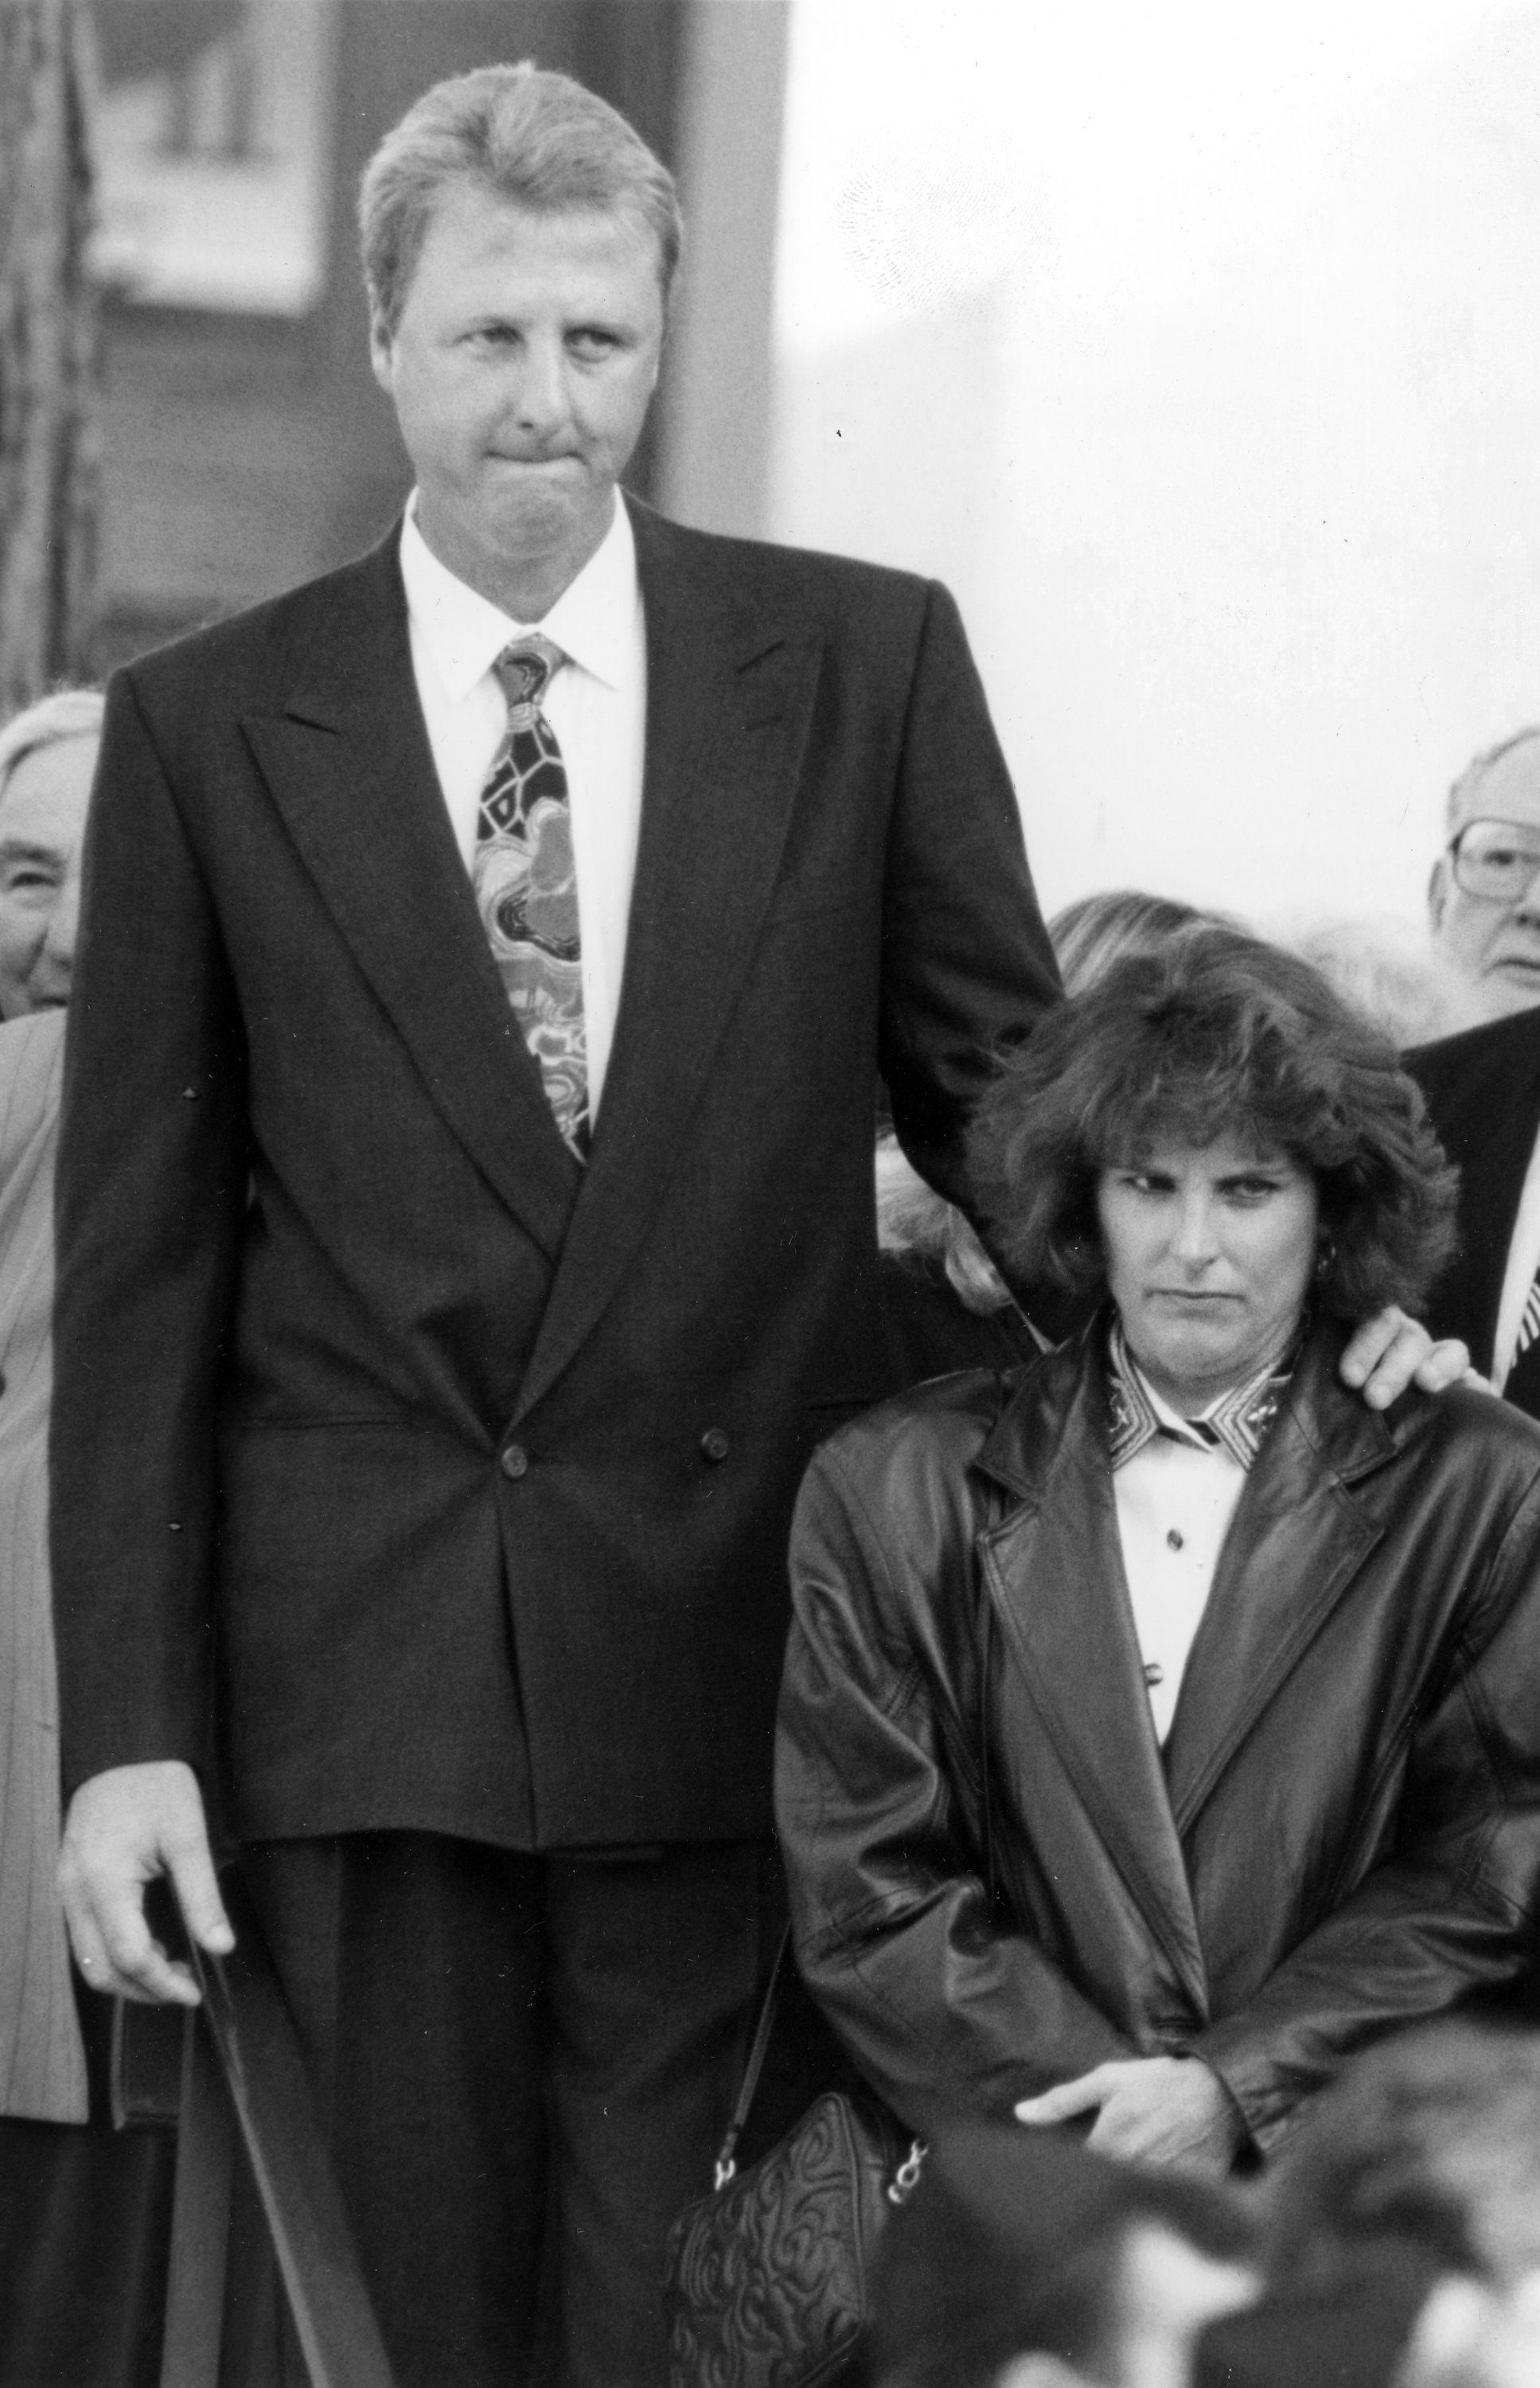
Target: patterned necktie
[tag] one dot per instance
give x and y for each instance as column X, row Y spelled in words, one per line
column 526, row 885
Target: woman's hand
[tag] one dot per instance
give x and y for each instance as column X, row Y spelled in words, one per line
column 1156, row 2110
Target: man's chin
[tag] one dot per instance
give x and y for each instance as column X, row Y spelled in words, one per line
column 520, row 542
column 1513, row 986
column 539, row 513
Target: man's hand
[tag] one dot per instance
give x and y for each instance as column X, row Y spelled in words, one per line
column 1389, row 1351
column 1156, row 2110
column 123, row 1828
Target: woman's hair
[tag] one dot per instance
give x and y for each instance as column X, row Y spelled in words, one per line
column 919, row 1224
column 68, row 713
column 536, row 139
column 1216, row 1035
column 1095, row 931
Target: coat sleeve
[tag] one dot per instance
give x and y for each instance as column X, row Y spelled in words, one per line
column 966, row 965
column 152, row 1182
column 1452, row 1911
column 941, row 2010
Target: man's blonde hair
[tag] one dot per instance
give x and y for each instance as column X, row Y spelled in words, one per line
column 533, row 138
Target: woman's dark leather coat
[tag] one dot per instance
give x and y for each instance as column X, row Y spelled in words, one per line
column 1342, row 1834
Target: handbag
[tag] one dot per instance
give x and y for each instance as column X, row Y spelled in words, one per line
column 767, row 2279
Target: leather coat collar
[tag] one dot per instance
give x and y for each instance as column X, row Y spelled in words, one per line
column 1055, row 1404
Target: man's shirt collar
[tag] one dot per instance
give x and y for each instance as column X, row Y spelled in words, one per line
column 593, row 621
column 1236, row 1422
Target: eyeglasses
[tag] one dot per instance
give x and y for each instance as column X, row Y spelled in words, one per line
column 1496, row 859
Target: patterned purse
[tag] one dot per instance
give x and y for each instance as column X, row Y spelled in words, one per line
column 767, row 2279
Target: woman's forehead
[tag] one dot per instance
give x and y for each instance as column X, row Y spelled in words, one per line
column 1174, row 1146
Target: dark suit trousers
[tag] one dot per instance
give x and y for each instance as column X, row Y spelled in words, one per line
column 524, row 2067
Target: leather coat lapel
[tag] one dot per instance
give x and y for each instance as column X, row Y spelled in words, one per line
column 1295, row 1543
column 729, row 700
column 349, row 767
column 1054, row 1567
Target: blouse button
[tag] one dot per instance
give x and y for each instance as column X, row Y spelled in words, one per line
column 1154, row 1673
column 1173, row 1540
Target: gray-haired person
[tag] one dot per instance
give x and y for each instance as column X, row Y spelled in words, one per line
column 1483, row 899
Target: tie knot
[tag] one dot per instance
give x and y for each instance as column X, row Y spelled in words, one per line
column 524, row 671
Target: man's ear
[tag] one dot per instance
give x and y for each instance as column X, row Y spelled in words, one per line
column 1438, row 893
column 382, row 347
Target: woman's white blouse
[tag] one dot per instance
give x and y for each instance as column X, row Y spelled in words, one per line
column 1176, row 1496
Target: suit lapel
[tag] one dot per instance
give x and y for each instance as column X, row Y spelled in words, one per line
column 728, row 698
column 1054, row 1569
column 349, row 767
column 1295, row 1543
column 1484, row 1098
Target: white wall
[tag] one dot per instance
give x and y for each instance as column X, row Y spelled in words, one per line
column 1198, row 348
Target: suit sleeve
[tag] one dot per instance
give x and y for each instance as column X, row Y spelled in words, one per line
column 1453, row 1910
column 968, row 968
column 152, row 1180
column 941, row 2011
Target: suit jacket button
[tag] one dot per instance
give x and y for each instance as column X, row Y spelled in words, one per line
column 714, row 1445
column 515, row 1462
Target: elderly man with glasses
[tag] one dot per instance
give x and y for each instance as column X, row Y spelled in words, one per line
column 1484, row 1087
column 1484, row 897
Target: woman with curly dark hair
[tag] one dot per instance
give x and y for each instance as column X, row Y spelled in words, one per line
column 1160, row 1724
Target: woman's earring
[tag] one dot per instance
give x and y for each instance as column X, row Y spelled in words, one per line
column 1325, row 1259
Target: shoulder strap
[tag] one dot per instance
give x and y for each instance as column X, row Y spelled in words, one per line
column 986, row 1800
column 758, row 2047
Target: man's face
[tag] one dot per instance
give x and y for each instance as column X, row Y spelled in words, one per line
column 1496, row 935
column 42, row 826
column 521, row 368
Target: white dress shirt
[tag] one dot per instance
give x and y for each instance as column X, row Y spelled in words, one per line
column 597, row 706
column 1523, row 1258
column 1175, row 1497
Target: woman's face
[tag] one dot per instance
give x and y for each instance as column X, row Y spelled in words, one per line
column 1210, row 1250
column 41, row 828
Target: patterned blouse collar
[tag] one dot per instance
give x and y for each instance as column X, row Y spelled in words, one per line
column 1237, row 1422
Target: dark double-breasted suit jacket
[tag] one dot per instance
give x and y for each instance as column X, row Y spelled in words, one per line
column 416, row 1474
column 1482, row 1090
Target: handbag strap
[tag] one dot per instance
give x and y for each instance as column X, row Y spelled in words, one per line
column 726, row 2165
column 758, row 2049
column 986, row 1803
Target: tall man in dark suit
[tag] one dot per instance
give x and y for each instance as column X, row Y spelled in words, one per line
column 467, row 1230
column 1484, row 1098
